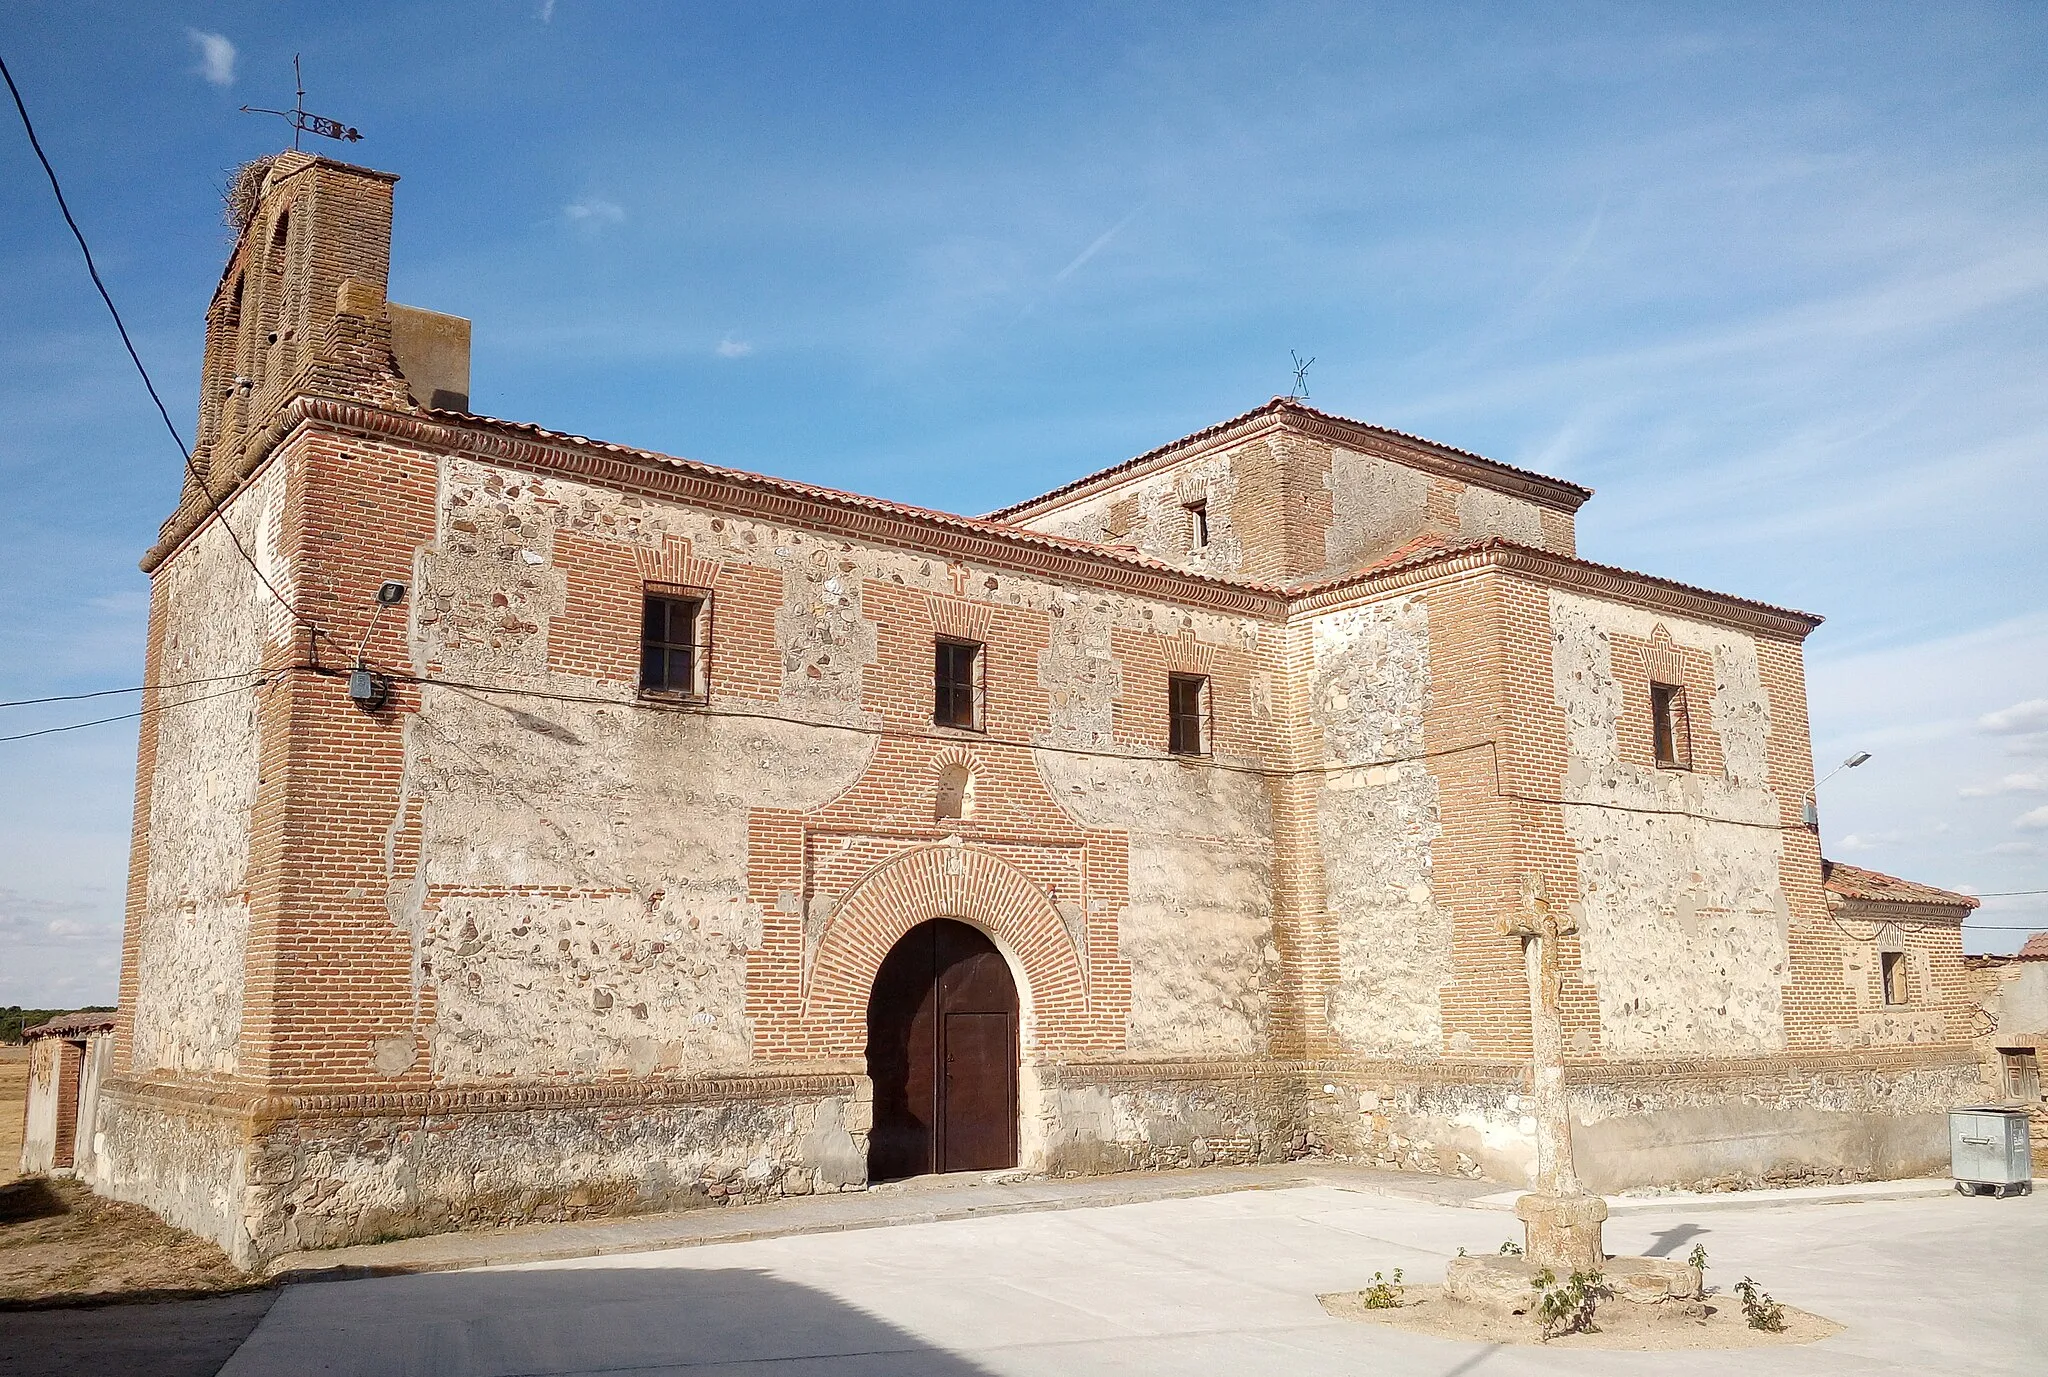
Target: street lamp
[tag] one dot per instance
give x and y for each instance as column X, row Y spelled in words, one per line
column 1810, row 815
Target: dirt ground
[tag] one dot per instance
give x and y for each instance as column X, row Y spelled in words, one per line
column 94, row 1286
column 1622, row 1324
column 62, row 1245
column 13, row 1109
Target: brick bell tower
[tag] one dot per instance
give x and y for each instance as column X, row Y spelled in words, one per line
column 301, row 310
column 257, row 958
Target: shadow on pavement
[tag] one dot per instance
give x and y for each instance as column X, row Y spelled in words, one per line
column 581, row 1319
column 174, row 1339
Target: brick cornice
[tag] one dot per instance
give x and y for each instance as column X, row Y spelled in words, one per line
column 1559, row 571
column 1896, row 911
column 756, row 496
column 1590, row 1072
column 987, row 543
column 261, row 1109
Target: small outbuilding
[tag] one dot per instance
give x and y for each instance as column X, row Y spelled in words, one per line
column 68, row 1058
column 2016, row 1005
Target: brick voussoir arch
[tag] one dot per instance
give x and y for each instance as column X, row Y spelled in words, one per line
column 946, row 880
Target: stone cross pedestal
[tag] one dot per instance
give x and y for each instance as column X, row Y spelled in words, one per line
column 1562, row 1219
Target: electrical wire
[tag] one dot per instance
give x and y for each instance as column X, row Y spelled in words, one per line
column 135, row 688
column 147, row 711
column 192, row 469
column 470, row 689
column 1209, row 762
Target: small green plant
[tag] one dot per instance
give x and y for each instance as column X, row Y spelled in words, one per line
column 1383, row 1294
column 1697, row 1258
column 1759, row 1309
column 1461, row 1251
column 1567, row 1307
column 1510, row 1249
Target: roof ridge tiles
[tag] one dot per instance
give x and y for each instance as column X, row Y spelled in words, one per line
column 1275, row 407
column 1860, row 882
column 1399, row 561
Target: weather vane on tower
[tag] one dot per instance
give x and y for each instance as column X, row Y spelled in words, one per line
column 304, row 123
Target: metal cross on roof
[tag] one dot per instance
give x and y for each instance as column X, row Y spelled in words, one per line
column 303, row 122
column 1301, row 366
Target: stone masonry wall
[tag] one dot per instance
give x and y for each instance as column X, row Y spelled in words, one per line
column 215, row 621
column 1684, row 926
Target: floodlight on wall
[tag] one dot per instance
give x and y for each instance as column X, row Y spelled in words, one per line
column 368, row 689
column 1810, row 814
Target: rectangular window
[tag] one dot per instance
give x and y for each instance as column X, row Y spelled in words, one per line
column 2022, row 1074
column 1670, row 727
column 674, row 644
column 1892, row 966
column 1198, row 525
column 956, row 685
column 1187, row 709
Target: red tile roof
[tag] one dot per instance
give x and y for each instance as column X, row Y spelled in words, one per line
column 2035, row 948
column 1117, row 554
column 1424, row 550
column 1574, row 493
column 84, row 1021
column 1854, row 882
column 1419, row 552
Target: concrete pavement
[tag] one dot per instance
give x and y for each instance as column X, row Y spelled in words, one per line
column 1216, row 1283
column 922, row 1200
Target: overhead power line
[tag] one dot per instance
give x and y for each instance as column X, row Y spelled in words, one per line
column 132, row 688
column 139, row 712
column 28, row 126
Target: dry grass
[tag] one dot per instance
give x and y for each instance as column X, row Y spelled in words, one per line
column 62, row 1245
column 13, row 1109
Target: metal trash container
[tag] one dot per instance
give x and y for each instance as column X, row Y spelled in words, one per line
column 1990, row 1149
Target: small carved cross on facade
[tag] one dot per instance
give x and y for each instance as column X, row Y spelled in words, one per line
column 958, row 573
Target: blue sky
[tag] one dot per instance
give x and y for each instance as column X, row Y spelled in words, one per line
column 1769, row 277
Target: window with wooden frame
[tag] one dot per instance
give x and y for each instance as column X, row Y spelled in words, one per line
column 957, row 684
column 2022, row 1073
column 1187, row 714
column 1670, row 727
column 1198, row 525
column 1891, row 968
column 675, row 643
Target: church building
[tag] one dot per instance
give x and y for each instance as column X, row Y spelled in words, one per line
column 535, row 827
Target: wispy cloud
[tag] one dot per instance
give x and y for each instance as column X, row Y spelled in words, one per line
column 594, row 213
column 546, row 13
column 730, row 348
column 2009, row 784
column 2023, row 725
column 216, row 56
column 1102, row 241
column 2036, row 821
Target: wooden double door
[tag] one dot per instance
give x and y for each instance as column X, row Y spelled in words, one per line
column 942, row 1052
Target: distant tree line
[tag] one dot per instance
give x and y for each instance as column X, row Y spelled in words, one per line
column 14, row 1018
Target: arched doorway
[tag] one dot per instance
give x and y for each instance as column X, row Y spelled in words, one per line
column 942, row 1052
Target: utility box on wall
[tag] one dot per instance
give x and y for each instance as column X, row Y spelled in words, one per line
column 1989, row 1146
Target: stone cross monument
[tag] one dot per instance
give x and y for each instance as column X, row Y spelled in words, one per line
column 1562, row 1219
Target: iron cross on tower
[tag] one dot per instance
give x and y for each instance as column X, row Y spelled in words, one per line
column 302, row 122
column 1299, row 391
